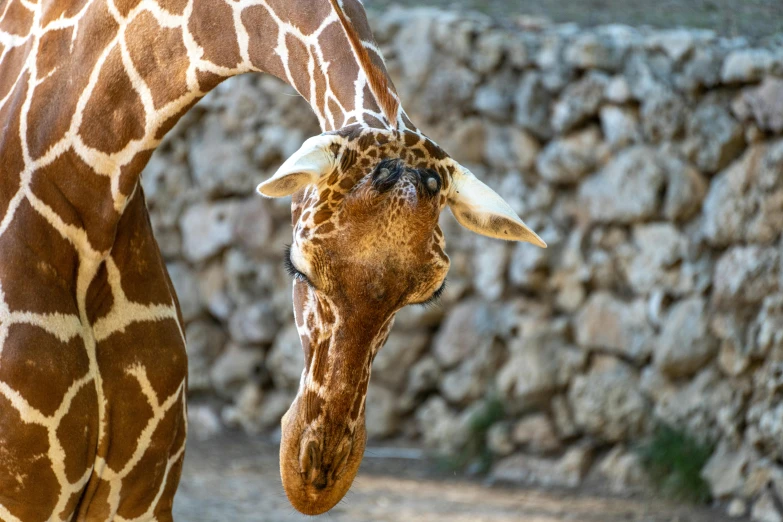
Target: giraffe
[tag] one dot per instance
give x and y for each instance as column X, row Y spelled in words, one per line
column 92, row 351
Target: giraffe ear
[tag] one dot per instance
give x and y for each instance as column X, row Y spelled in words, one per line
column 313, row 160
column 480, row 209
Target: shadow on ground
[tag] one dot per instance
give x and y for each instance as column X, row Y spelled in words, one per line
column 234, row 478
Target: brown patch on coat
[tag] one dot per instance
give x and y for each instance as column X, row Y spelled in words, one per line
column 161, row 58
column 32, row 356
column 313, row 405
column 126, row 6
column 320, row 362
column 166, row 502
column 114, row 114
column 100, row 300
column 20, row 451
column 129, row 181
column 80, row 197
column 207, row 81
column 96, row 29
column 176, row 7
column 12, row 163
column 305, row 16
column 370, row 103
column 212, row 26
column 376, row 74
column 141, row 485
column 70, row 506
column 319, row 79
column 137, row 256
column 95, row 501
column 361, row 394
column 53, row 46
column 321, row 216
column 434, row 151
column 333, row 44
column 160, row 353
column 78, row 432
column 54, row 10
column 263, row 38
column 36, row 256
column 12, row 64
column 18, row 19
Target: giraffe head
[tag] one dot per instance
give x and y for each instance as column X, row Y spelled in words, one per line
column 366, row 243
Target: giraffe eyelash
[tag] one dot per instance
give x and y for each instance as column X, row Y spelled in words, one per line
column 291, row 268
column 434, row 300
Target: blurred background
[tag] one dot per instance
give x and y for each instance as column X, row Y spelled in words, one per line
column 631, row 371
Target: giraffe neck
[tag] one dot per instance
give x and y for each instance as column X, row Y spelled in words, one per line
column 92, row 88
column 329, row 364
column 326, row 51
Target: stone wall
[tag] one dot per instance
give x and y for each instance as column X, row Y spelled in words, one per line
column 652, row 164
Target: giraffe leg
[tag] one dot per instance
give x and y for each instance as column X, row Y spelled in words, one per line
column 141, row 488
column 48, row 401
column 34, row 485
column 140, row 352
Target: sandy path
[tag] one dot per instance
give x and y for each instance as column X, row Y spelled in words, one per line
column 235, row 479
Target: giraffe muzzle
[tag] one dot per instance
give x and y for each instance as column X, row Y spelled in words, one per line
column 318, row 462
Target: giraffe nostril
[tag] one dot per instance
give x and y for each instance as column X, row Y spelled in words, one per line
column 310, row 461
column 341, row 457
column 430, row 180
column 387, row 174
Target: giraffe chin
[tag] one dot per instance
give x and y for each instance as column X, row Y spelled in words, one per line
column 316, row 471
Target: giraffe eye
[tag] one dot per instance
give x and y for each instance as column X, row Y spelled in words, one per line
column 434, row 298
column 294, row 272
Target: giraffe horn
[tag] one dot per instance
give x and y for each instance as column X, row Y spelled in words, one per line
column 314, row 159
column 481, row 210
column 377, row 78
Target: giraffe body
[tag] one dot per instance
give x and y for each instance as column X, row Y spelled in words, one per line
column 92, row 351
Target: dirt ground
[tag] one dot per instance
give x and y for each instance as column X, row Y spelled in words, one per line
column 753, row 18
column 234, row 478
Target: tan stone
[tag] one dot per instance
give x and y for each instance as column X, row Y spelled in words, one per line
column 726, row 470
column 536, row 434
column 765, row 509
column 607, row 323
column 623, row 471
